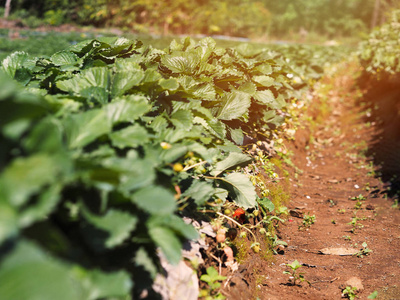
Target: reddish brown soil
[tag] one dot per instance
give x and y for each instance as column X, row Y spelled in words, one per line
column 333, row 171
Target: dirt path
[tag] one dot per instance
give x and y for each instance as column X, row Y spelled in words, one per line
column 334, row 170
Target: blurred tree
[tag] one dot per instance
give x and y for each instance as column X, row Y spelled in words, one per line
column 7, row 9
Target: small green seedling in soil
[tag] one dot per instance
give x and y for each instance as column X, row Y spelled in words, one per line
column 347, row 237
column 333, row 221
column 364, row 251
column 295, row 277
column 308, row 220
column 373, row 295
column 359, row 197
column 350, row 292
column 213, row 279
column 358, row 204
column 355, row 224
column 341, row 211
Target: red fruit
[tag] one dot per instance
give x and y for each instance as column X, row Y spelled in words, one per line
column 240, row 215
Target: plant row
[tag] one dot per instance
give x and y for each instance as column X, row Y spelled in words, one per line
column 380, row 53
column 107, row 144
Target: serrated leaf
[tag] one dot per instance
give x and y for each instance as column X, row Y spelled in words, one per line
column 265, row 68
column 117, row 224
column 82, row 129
column 266, row 97
column 182, row 119
column 240, row 189
column 100, row 285
column 143, row 259
column 18, row 282
column 170, row 84
column 172, row 154
column 234, row 159
column 181, row 62
column 95, row 94
column 267, row 204
column 26, row 176
column 237, row 135
column 94, row 77
column 270, row 117
column 199, row 191
column 8, row 220
column 131, row 136
column 124, row 81
column 13, row 62
column 169, row 243
column 127, row 109
column 174, row 223
column 155, row 200
column 233, row 106
column 45, row 204
column 64, row 58
column 264, row 80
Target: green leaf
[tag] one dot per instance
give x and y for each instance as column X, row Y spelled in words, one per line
column 237, row 135
column 271, row 117
column 127, row 109
column 27, row 273
column 82, row 129
column 169, row 243
column 13, row 62
column 155, row 200
column 373, row 295
column 182, row 119
column 143, row 259
column 101, row 285
column 234, row 159
column 199, row 191
column 95, row 94
column 64, row 58
column 45, row 204
column 117, row 224
column 234, row 105
column 174, row 223
column 94, row 77
column 212, row 276
column 8, row 220
column 170, row 84
column 240, row 189
column 264, row 80
column 25, row 177
column 47, row 136
column 131, row 136
column 181, row 62
column 124, row 81
column 175, row 152
column 267, row 204
column 266, row 97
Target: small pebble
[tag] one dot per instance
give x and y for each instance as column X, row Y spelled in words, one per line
column 356, row 186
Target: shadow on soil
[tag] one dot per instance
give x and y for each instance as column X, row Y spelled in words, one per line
column 382, row 99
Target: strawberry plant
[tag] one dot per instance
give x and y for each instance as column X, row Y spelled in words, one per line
column 106, row 145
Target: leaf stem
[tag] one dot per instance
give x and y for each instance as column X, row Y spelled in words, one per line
column 195, row 165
